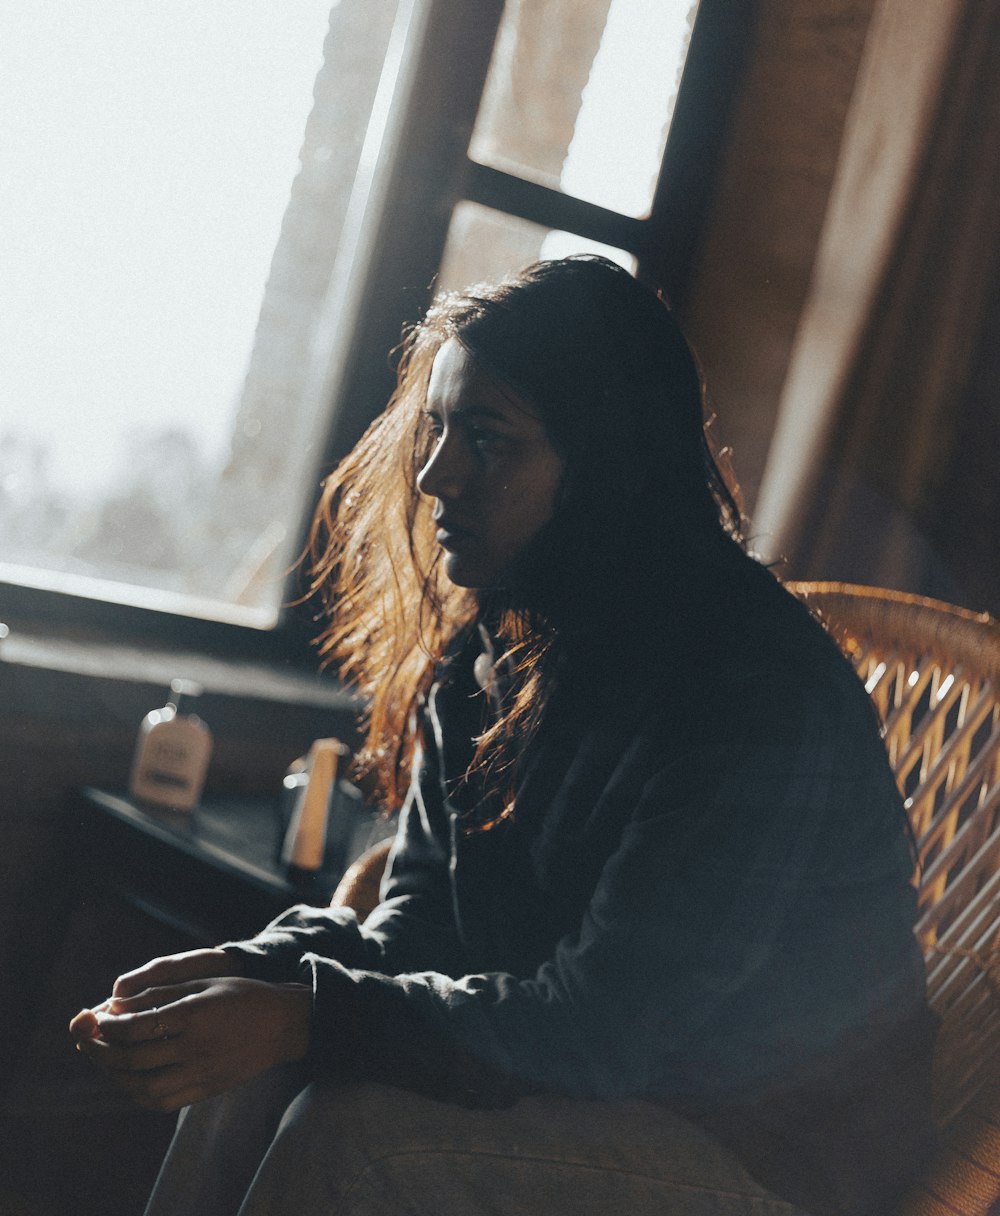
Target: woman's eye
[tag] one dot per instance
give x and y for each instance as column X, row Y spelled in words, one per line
column 433, row 425
column 484, row 440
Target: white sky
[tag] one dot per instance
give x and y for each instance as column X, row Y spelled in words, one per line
column 618, row 137
column 146, row 157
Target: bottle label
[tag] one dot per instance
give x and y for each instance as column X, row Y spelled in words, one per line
column 161, row 777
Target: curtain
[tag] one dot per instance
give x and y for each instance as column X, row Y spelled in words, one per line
column 883, row 464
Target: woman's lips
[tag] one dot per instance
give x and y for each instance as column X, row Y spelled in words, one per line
column 451, row 535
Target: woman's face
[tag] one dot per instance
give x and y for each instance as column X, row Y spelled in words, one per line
column 492, row 470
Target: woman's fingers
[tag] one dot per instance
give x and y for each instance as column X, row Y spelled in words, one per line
column 165, row 1089
column 149, row 1055
column 174, row 969
column 108, row 1018
column 156, row 1013
column 156, row 1075
column 148, row 988
column 84, row 1025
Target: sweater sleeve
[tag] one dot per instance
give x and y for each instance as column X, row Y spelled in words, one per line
column 752, row 922
column 412, row 929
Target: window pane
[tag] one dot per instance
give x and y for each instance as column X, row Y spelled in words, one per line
column 484, row 244
column 575, row 95
column 175, row 180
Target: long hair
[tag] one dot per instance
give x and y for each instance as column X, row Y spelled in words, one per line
column 642, row 501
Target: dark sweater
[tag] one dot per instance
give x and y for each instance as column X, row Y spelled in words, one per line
column 704, row 899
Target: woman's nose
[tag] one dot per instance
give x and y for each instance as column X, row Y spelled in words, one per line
column 443, row 476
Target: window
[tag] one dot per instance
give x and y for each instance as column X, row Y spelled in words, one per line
column 219, row 243
column 579, row 97
column 175, row 218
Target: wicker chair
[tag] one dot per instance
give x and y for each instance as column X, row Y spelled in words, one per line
column 933, row 671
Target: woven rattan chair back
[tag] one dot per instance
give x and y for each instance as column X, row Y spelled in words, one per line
column 933, row 671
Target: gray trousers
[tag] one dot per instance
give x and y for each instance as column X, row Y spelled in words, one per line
column 280, row 1147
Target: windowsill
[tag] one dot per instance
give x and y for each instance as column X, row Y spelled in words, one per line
column 110, row 661
column 70, row 711
column 73, row 706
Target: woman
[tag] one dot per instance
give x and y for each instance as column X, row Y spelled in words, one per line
column 645, row 937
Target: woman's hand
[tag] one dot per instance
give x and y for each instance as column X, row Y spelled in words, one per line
column 173, row 1044
column 159, row 972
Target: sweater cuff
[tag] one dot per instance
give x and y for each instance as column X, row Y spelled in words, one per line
column 275, row 954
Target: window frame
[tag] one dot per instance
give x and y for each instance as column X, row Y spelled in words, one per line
column 418, row 173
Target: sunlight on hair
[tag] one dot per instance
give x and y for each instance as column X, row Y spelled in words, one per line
column 563, row 244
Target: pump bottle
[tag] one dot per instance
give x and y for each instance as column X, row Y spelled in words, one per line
column 171, row 753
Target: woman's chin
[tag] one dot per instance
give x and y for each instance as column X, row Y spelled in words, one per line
column 461, row 572
column 465, row 571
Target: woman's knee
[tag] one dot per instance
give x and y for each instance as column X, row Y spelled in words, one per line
column 368, row 1148
column 355, row 1124
column 372, row 1150
column 323, row 1142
